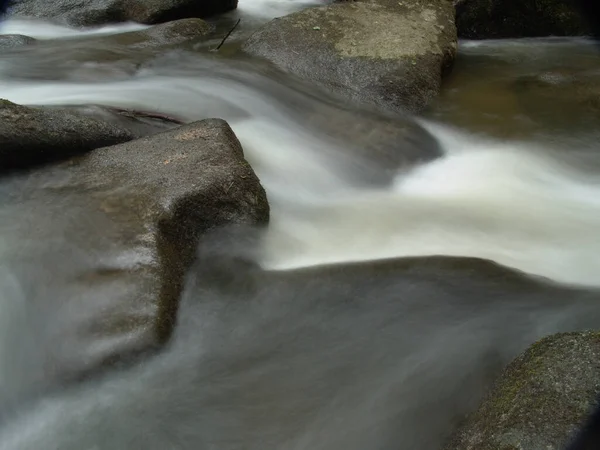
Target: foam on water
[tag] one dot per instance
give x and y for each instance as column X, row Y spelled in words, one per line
column 506, row 201
column 356, row 359
column 41, row 29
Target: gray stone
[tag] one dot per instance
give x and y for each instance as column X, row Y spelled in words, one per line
column 33, row 136
column 99, row 12
column 495, row 19
column 8, row 41
column 100, row 243
column 541, row 399
column 390, row 54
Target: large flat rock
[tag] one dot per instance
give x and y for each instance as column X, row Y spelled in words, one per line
column 97, row 246
column 390, row 54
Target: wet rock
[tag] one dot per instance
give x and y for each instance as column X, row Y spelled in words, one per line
column 541, row 399
column 34, row 136
column 100, row 243
column 386, row 53
column 139, row 123
column 116, row 56
column 494, row 19
column 8, row 41
column 99, row 12
column 170, row 33
column 155, row 11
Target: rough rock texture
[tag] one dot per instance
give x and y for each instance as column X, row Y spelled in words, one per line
column 33, row 136
column 541, row 399
column 98, row 12
column 8, row 41
column 391, row 54
column 100, row 243
column 487, row 19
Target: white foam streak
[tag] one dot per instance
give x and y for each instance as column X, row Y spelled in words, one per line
column 275, row 8
column 504, row 202
column 40, row 29
column 509, row 202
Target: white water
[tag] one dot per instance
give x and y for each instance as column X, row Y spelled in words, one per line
column 40, row 29
column 509, row 202
column 421, row 358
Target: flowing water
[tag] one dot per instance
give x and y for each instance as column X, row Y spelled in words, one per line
column 372, row 352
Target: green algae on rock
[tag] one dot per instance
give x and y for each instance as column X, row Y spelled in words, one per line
column 390, row 54
column 542, row 397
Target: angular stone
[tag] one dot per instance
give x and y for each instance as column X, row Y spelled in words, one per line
column 98, row 245
column 390, row 54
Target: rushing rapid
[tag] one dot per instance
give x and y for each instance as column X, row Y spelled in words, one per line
column 399, row 273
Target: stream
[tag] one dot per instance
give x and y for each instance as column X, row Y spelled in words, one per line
column 367, row 317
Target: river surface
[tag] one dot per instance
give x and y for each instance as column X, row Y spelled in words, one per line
column 517, row 182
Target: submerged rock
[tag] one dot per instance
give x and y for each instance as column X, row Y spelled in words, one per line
column 577, row 92
column 33, row 136
column 495, row 19
column 386, row 53
column 8, row 41
column 99, row 12
column 541, row 399
column 100, row 243
column 106, row 56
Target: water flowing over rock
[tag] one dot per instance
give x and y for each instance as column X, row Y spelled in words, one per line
column 32, row 136
column 131, row 215
column 118, row 55
column 577, row 91
column 391, row 54
column 98, row 12
column 495, row 19
column 8, row 41
column 541, row 399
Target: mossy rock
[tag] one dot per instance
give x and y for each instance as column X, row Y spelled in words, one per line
column 540, row 400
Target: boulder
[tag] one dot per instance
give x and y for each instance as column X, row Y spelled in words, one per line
column 99, row 12
column 382, row 52
column 33, row 136
column 99, row 245
column 495, row 19
column 541, row 399
column 8, row 41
